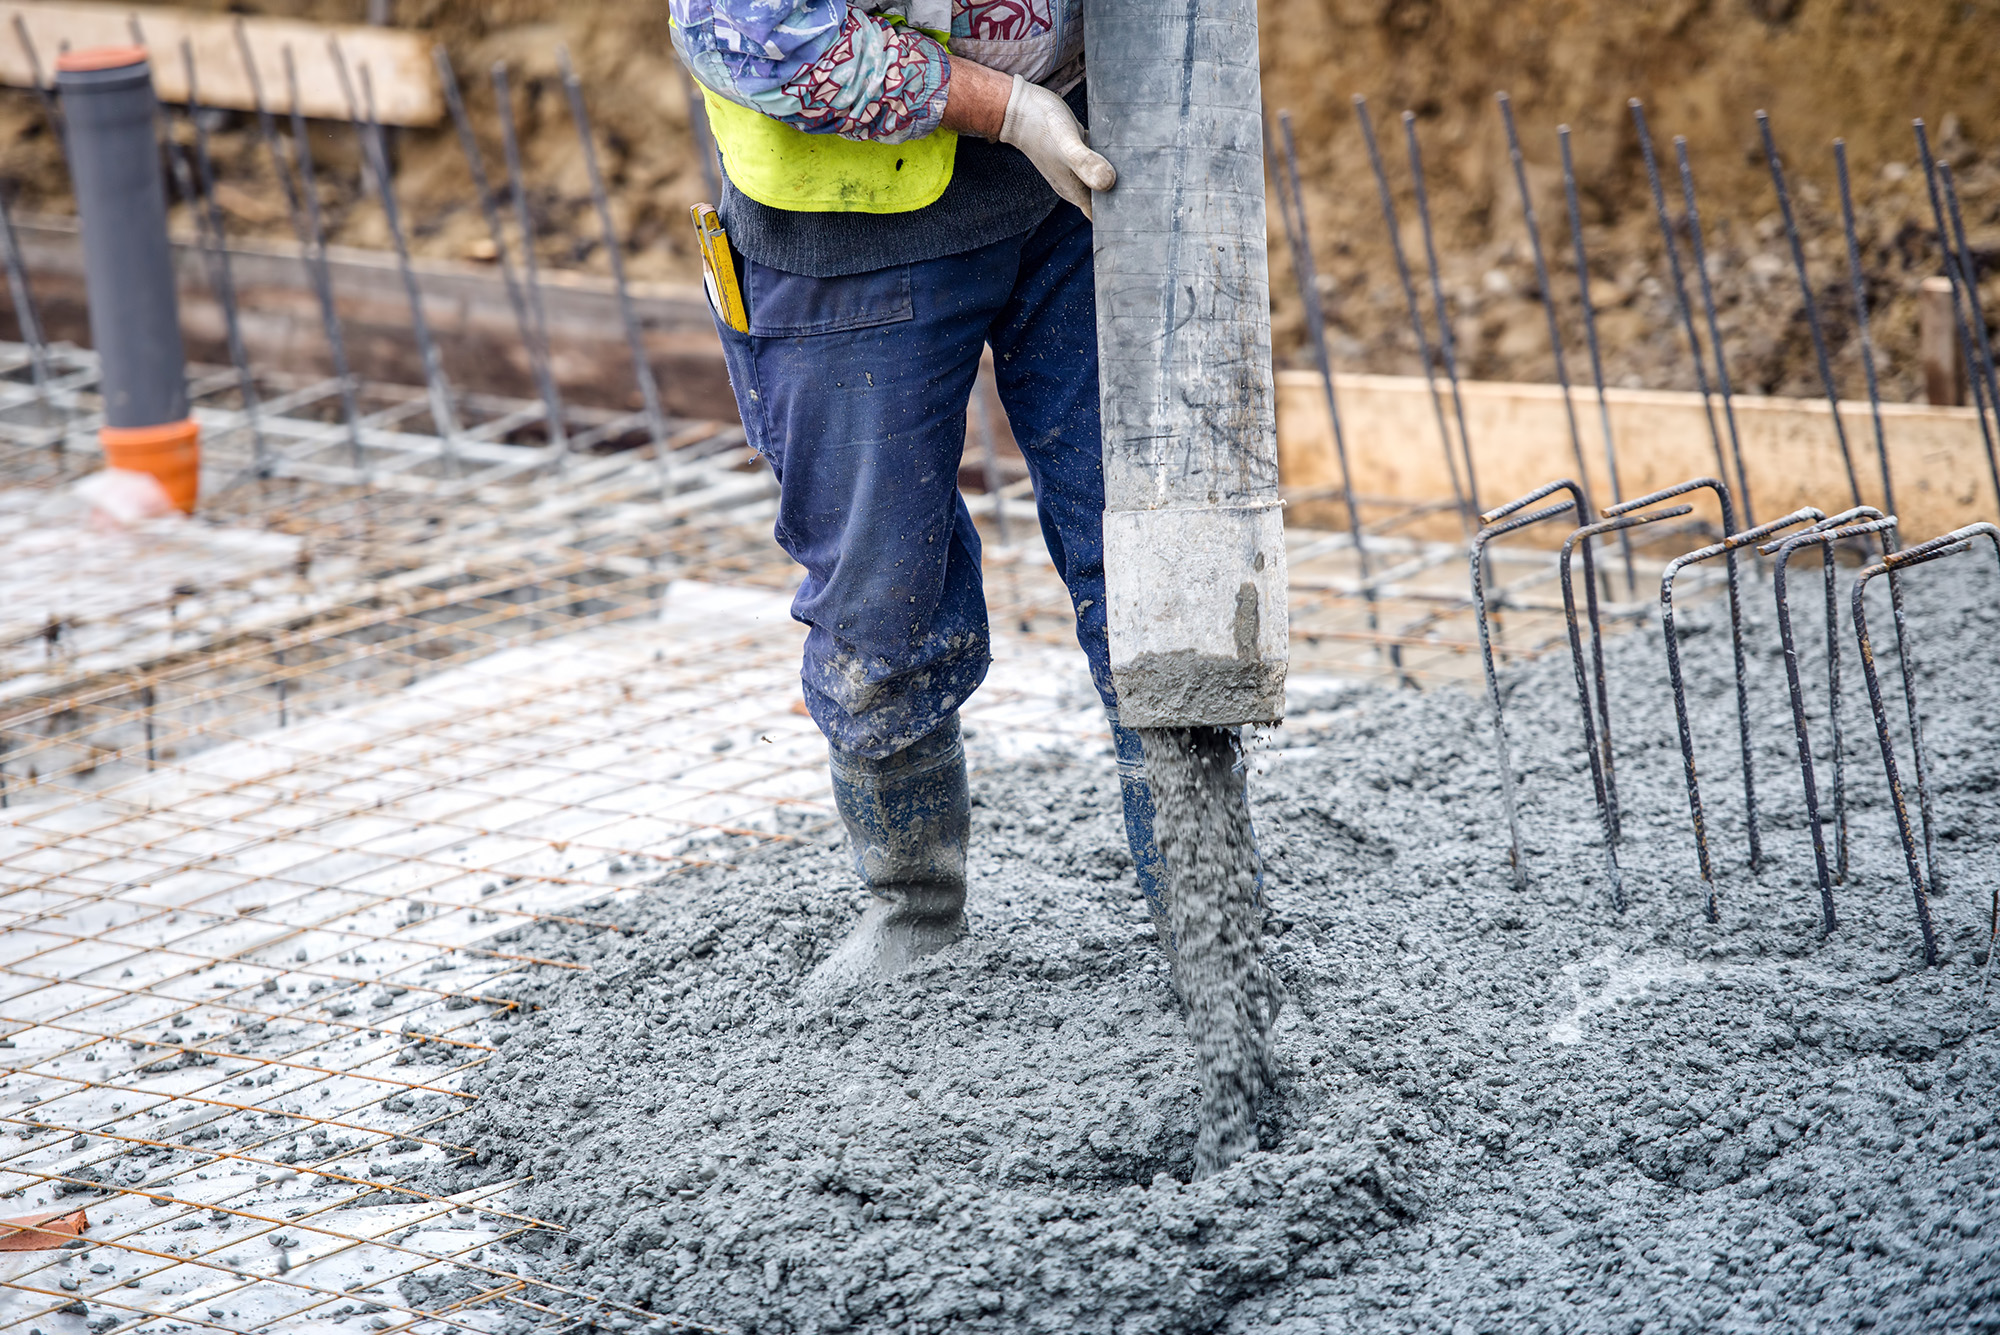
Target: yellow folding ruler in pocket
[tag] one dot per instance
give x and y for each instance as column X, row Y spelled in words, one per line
column 718, row 269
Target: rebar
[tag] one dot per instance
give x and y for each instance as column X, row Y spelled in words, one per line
column 18, row 287
column 1813, row 323
column 23, row 296
column 1968, row 266
column 1824, row 535
column 266, row 126
column 1596, row 359
column 368, row 135
column 1729, row 552
column 517, row 189
column 1600, row 775
column 1939, row 548
column 312, row 238
column 532, row 333
column 1952, row 270
column 44, row 91
column 1586, row 506
column 614, row 252
column 1859, row 283
column 1447, row 345
column 1292, row 209
column 221, row 278
column 1681, row 302
column 1715, row 348
column 1711, row 904
column 1494, row 528
column 1465, row 511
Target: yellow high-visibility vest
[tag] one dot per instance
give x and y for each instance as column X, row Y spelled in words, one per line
column 786, row 168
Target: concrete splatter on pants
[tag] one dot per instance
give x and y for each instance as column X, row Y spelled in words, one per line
column 855, row 390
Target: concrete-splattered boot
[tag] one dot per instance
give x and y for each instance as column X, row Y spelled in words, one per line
column 908, row 816
column 1138, row 799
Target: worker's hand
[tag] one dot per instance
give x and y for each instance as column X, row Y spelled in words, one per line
column 1041, row 125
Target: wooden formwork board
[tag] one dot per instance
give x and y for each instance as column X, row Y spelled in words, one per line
column 398, row 62
column 1521, row 438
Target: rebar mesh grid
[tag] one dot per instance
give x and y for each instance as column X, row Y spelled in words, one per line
column 271, row 831
column 243, row 989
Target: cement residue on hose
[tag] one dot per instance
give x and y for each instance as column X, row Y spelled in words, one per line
column 1203, row 828
column 1490, row 1110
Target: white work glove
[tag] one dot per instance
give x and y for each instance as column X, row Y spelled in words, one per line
column 1041, row 125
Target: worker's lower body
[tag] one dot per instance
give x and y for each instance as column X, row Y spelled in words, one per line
column 855, row 391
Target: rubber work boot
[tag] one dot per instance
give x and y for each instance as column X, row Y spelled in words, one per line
column 1138, row 799
column 908, row 816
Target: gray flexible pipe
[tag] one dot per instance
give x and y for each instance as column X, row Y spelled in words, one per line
column 114, row 158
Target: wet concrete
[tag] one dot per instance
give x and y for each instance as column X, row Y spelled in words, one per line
column 1216, row 916
column 1488, row 1111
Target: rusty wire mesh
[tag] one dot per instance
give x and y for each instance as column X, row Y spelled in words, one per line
column 272, row 828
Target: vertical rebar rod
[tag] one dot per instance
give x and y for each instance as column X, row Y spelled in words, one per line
column 17, row 269
column 1899, row 802
column 312, row 239
column 1292, row 208
column 642, row 369
column 1825, row 533
column 44, row 93
column 1596, row 357
column 1447, row 345
column 1497, row 524
column 1813, row 322
column 24, row 305
column 1682, row 303
column 1889, row 534
column 1466, row 512
column 368, row 133
column 1968, row 267
column 1938, row 548
column 1734, row 567
column 1579, row 541
column 517, row 190
column 221, row 277
column 1548, row 297
column 1697, row 811
column 1859, row 283
column 1979, row 359
column 1951, row 269
column 1801, row 732
column 1722, row 383
column 267, row 127
column 531, row 339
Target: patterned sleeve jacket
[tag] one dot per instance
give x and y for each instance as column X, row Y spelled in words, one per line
column 859, row 69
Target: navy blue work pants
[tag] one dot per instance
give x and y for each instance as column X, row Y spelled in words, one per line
column 855, row 390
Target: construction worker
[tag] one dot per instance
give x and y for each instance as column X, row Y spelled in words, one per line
column 905, row 187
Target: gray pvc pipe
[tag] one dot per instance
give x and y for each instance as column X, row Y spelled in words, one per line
column 114, row 163
column 1193, row 532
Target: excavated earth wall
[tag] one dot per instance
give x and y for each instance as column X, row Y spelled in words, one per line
column 1492, row 1110
column 1858, row 69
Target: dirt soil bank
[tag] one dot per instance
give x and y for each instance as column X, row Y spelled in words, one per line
column 1493, row 1111
column 1823, row 68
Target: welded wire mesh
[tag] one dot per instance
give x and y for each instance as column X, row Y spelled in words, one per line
column 275, row 820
